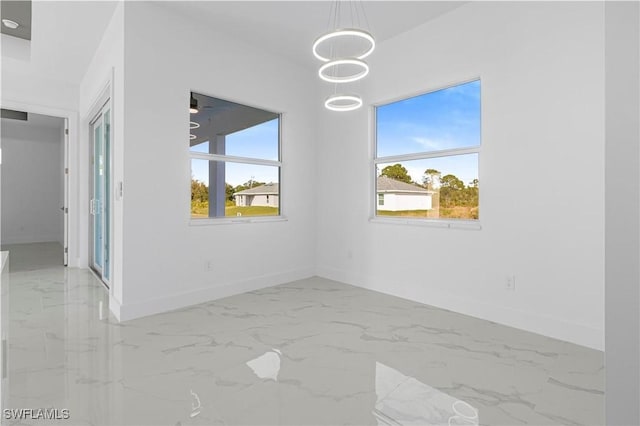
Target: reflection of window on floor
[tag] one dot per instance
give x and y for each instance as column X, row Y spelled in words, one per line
column 404, row 400
column 235, row 159
column 427, row 153
column 267, row 365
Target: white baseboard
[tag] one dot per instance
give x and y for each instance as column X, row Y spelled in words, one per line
column 126, row 312
column 114, row 307
column 29, row 239
column 547, row 326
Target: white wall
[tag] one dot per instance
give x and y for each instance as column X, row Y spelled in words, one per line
column 105, row 72
column 541, row 171
column 622, row 244
column 166, row 57
column 32, row 191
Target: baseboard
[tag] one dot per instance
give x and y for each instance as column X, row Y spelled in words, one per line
column 547, row 326
column 126, row 312
column 115, row 307
column 29, row 239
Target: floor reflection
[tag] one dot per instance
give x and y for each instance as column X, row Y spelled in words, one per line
column 267, row 365
column 404, row 400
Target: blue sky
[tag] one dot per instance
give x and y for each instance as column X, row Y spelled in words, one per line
column 259, row 141
column 444, row 119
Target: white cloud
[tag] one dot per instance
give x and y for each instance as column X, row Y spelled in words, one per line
column 430, row 144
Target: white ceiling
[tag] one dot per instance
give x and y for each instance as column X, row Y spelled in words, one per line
column 64, row 38
column 15, row 128
column 65, row 34
column 289, row 28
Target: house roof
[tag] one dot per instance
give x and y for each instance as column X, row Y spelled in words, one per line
column 268, row 189
column 386, row 184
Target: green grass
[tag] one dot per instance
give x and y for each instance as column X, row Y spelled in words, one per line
column 201, row 210
column 458, row 212
column 251, row 211
column 409, row 213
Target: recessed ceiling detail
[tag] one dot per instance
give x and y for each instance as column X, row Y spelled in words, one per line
column 16, row 18
column 14, row 115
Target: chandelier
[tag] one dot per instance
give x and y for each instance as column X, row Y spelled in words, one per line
column 342, row 50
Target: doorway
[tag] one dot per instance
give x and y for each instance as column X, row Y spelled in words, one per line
column 100, row 194
column 34, row 189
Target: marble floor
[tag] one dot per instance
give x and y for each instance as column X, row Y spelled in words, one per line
column 310, row 352
column 33, row 256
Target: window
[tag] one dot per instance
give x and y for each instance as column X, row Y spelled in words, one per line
column 427, row 155
column 235, row 159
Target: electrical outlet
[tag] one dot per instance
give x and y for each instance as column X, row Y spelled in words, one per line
column 510, row 283
column 208, row 265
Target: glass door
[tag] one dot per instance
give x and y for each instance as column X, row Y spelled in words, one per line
column 100, row 194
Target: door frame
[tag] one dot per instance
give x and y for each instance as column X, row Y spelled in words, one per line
column 99, row 270
column 71, row 214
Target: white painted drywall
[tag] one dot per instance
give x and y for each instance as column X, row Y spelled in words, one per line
column 622, row 245
column 166, row 57
column 106, row 70
column 541, row 171
column 31, row 191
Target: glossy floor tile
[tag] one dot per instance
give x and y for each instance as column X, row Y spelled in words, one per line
column 33, row 256
column 311, row 352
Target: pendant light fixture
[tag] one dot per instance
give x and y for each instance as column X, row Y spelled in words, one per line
column 343, row 63
column 193, row 105
column 323, row 72
column 344, row 33
column 193, row 109
column 342, row 103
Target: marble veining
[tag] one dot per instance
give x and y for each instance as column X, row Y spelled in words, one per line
column 310, row 352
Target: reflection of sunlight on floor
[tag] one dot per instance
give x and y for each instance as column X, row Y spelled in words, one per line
column 403, row 400
column 267, row 365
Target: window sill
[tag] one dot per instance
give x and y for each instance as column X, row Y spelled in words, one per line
column 447, row 224
column 236, row 220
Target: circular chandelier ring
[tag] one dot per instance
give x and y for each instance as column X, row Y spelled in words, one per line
column 192, row 137
column 332, row 104
column 347, row 78
column 346, row 32
column 193, row 125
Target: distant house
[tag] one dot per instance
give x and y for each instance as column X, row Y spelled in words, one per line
column 394, row 195
column 263, row 195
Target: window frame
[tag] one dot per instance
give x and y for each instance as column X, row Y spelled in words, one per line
column 473, row 224
column 280, row 217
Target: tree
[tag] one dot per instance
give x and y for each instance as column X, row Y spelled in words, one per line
column 471, row 194
column 397, row 172
column 451, row 181
column 199, row 191
column 248, row 185
column 431, row 179
column 451, row 191
column 228, row 189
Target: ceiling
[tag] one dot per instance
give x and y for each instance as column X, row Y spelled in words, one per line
column 219, row 117
column 289, row 28
column 15, row 128
column 66, row 34
column 64, row 38
column 20, row 13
